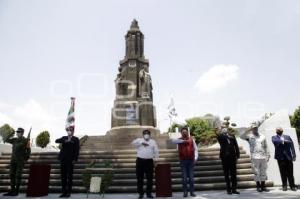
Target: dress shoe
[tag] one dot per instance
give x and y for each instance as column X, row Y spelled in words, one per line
column 193, row 194
column 63, row 195
column 185, row 194
column 15, row 193
column 235, row 192
column 294, row 188
column 149, row 196
column 229, row 192
column 284, row 188
column 8, row 193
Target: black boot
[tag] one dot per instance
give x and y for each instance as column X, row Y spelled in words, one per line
column 263, row 187
column 16, row 191
column 8, row 193
column 258, row 187
column 193, row 194
column 284, row 188
column 185, row 194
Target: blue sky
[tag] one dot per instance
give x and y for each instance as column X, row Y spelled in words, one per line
column 237, row 58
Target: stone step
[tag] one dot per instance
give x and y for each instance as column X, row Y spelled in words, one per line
column 132, row 170
column 129, row 152
column 208, row 170
column 240, row 164
column 125, row 163
column 175, row 174
column 132, row 182
column 132, row 189
column 133, row 156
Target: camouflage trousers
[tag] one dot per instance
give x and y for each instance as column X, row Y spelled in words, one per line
column 16, row 168
column 259, row 167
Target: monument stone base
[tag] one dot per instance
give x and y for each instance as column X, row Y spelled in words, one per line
column 120, row 138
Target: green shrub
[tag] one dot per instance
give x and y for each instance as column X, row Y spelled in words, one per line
column 43, row 139
column 6, row 132
column 295, row 121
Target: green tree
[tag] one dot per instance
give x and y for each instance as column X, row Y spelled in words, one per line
column 6, row 132
column 43, row 139
column 199, row 129
column 295, row 121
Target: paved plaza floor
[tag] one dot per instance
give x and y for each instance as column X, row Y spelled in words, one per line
column 246, row 194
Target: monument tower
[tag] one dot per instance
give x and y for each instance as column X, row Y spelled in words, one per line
column 133, row 106
column 133, row 109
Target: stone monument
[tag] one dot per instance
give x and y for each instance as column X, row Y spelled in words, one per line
column 133, row 106
column 133, row 109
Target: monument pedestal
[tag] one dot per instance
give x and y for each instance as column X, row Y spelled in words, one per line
column 120, row 138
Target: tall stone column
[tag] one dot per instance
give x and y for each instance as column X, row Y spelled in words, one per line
column 133, row 105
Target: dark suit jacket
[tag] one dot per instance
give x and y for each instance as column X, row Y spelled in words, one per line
column 284, row 150
column 228, row 150
column 69, row 150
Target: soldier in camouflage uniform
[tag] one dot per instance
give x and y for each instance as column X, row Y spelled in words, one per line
column 260, row 156
column 20, row 154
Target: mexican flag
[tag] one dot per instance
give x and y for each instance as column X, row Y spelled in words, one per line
column 70, row 122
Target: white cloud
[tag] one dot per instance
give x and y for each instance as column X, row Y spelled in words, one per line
column 217, row 77
column 4, row 119
column 32, row 114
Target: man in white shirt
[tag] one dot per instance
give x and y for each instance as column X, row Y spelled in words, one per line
column 260, row 156
column 147, row 153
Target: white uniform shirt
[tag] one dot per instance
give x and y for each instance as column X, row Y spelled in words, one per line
column 146, row 152
column 258, row 146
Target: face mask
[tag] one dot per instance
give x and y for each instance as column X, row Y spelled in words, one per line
column 19, row 135
column 69, row 133
column 224, row 131
column 279, row 133
column 146, row 136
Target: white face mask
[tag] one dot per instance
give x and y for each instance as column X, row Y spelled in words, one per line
column 146, row 136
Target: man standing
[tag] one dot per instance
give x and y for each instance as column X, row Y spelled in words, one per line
column 188, row 155
column 285, row 155
column 229, row 153
column 20, row 154
column 260, row 156
column 147, row 152
column 68, row 156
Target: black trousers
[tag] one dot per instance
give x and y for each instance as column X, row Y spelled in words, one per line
column 144, row 166
column 229, row 169
column 287, row 172
column 66, row 170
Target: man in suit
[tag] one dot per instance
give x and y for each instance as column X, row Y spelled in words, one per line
column 229, row 153
column 68, row 156
column 285, row 155
column 19, row 156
